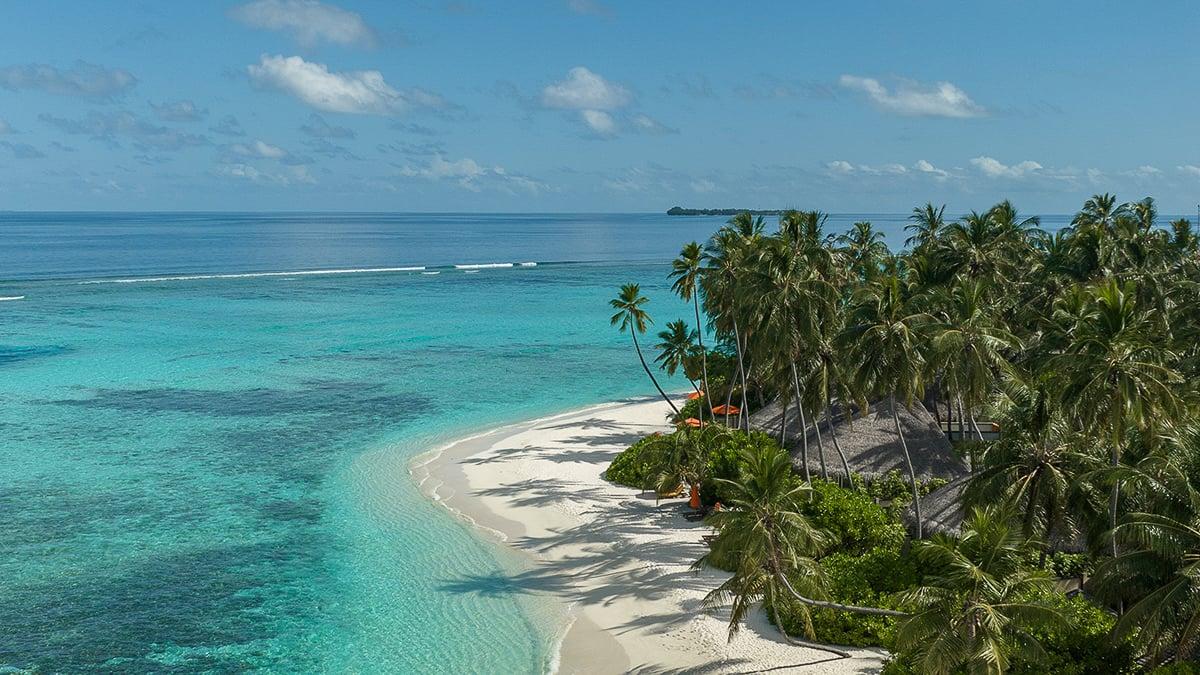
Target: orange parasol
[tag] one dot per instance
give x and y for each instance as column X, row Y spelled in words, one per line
column 692, row 422
column 695, row 395
column 726, row 410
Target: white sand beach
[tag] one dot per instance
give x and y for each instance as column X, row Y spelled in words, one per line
column 620, row 561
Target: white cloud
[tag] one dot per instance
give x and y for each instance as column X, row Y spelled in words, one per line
column 840, row 166
column 471, row 175
column 308, row 22
column 925, row 167
column 293, row 175
column 259, row 149
column 361, row 92
column 941, row 99
column 585, row 90
column 703, row 185
column 648, row 125
column 178, row 111
column 1190, row 169
column 993, row 168
column 81, row 79
column 599, row 121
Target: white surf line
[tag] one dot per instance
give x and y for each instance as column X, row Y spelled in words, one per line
column 482, row 266
column 251, row 275
column 11, row 297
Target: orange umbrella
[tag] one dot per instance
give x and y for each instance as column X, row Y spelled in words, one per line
column 695, row 395
column 692, row 422
column 726, row 410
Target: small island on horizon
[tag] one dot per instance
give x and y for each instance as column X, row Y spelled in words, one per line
column 680, row 211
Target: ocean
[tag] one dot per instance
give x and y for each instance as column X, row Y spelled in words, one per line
column 207, row 422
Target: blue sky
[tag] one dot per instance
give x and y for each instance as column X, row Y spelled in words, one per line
column 596, row 105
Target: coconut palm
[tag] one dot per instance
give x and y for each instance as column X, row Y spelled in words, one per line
column 928, row 223
column 977, row 605
column 677, row 348
column 885, row 344
column 771, row 546
column 631, row 317
column 1116, row 374
column 866, row 249
column 686, row 270
column 1167, row 618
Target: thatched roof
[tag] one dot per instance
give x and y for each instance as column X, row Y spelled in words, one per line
column 869, row 441
column 943, row 512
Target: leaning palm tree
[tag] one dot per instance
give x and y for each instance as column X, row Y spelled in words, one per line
column 686, row 271
column 677, row 348
column 978, row 603
column 886, row 346
column 631, row 317
column 769, row 543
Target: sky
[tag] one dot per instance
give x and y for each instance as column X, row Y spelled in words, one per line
column 596, row 105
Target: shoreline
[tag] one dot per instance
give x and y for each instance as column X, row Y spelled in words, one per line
column 616, row 561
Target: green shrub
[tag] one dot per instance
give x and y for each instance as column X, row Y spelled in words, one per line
column 1082, row 644
column 1180, row 668
column 635, row 467
column 856, row 522
column 871, row 579
column 692, row 408
column 724, row 462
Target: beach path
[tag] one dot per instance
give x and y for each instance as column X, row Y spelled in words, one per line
column 618, row 558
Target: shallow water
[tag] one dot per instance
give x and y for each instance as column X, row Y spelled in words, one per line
column 210, row 473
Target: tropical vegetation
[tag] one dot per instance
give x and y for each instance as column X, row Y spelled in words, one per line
column 1080, row 345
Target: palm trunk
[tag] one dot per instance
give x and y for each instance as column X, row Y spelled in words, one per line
column 803, row 425
column 836, row 445
column 962, row 422
column 820, row 449
column 912, row 475
column 1115, row 495
column 975, row 426
column 783, row 425
column 703, row 356
column 737, row 342
column 804, row 643
column 825, row 604
column 645, row 367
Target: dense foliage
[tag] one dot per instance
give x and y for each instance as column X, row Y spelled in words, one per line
column 1082, row 344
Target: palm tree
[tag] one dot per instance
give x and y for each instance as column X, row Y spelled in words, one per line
column 1167, row 619
column 928, row 222
column 768, row 541
column 865, row 248
column 968, row 344
column 978, row 603
column 1116, row 373
column 884, row 342
column 630, row 316
column 677, row 348
column 686, row 271
column 726, row 255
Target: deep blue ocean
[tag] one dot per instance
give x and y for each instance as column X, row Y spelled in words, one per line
column 205, row 445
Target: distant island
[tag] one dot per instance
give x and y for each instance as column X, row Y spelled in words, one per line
column 680, row 211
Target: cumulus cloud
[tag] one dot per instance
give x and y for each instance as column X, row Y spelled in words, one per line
column 317, row 127
column 993, row 168
column 1190, row 169
column 83, row 79
column 308, row 22
column 293, row 175
column 228, row 126
column 648, row 125
column 471, row 175
column 109, row 127
column 584, row 90
column 178, row 111
column 925, row 167
column 599, row 121
column 362, row 92
column 941, row 99
column 259, row 149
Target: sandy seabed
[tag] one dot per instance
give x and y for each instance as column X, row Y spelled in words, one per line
column 618, row 559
